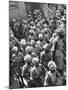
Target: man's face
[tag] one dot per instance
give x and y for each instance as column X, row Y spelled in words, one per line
column 52, row 68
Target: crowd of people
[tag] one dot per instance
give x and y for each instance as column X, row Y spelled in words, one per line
column 37, row 49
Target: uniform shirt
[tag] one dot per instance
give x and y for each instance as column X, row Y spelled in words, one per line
column 25, row 71
column 45, row 58
column 50, row 79
column 36, row 72
column 53, row 79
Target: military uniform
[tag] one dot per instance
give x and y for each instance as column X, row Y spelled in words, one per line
column 45, row 58
column 53, row 79
column 26, row 74
column 26, row 70
column 36, row 73
column 59, row 56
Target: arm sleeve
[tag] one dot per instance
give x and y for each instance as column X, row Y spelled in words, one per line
column 46, row 81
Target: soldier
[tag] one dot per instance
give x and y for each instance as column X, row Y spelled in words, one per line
column 26, row 70
column 32, row 43
column 23, row 43
column 31, row 35
column 15, row 50
column 52, row 77
column 38, row 48
column 60, row 51
column 29, row 50
column 37, row 73
column 40, row 37
column 45, row 55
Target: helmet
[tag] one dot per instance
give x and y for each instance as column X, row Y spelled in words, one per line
column 32, row 23
column 23, row 42
column 54, row 34
column 15, row 49
column 61, row 31
column 29, row 49
column 27, row 58
column 34, row 27
column 51, row 64
column 43, row 20
column 31, row 32
column 35, row 60
column 13, row 55
column 32, row 42
column 34, row 54
column 38, row 43
column 40, row 36
column 20, row 54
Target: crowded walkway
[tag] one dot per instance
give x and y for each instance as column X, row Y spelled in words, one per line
column 37, row 49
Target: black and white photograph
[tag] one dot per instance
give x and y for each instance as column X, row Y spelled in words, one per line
column 37, row 44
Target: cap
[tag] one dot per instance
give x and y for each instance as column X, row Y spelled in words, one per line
column 23, row 42
column 15, row 49
column 29, row 49
column 40, row 36
column 27, row 58
column 35, row 60
column 51, row 64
